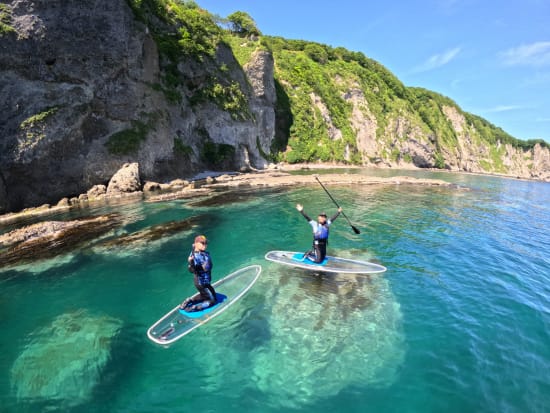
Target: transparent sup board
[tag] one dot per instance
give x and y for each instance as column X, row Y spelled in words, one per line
column 329, row 264
column 177, row 323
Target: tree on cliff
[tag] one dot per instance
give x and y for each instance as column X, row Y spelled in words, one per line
column 242, row 24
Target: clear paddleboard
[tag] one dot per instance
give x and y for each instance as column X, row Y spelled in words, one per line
column 329, row 264
column 177, row 323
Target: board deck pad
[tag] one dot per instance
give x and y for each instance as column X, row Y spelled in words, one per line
column 330, row 264
column 220, row 298
column 301, row 257
column 177, row 323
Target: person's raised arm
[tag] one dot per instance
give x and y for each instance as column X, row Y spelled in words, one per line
column 191, row 260
column 300, row 209
column 337, row 214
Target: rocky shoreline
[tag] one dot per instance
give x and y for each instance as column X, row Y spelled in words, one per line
column 48, row 238
column 125, row 186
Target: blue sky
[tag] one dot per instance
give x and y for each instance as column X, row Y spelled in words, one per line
column 491, row 57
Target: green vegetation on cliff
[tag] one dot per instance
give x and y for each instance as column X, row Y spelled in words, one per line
column 326, row 97
column 183, row 31
column 34, row 127
column 128, row 140
column 38, row 118
column 5, row 20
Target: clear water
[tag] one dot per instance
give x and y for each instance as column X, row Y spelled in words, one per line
column 460, row 322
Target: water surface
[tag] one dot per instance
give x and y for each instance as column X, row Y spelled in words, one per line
column 459, row 322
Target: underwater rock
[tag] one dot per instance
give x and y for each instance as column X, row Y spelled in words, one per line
column 154, row 233
column 64, row 360
column 224, row 198
column 181, row 194
column 228, row 197
column 51, row 238
column 328, row 332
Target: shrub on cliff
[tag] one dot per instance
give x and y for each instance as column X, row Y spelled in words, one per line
column 5, row 20
column 242, row 24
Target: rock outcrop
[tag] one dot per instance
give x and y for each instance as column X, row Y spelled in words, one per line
column 96, row 191
column 125, row 180
column 50, row 238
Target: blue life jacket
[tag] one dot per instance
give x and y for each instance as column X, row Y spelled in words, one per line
column 320, row 232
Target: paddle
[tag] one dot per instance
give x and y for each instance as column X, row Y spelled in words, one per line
column 336, row 203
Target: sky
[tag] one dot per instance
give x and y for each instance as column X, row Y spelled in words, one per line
column 491, row 57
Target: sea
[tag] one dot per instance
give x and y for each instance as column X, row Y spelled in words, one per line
column 459, row 322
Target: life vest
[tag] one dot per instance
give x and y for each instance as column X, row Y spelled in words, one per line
column 320, row 233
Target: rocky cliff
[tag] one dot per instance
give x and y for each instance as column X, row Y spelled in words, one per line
column 86, row 87
column 83, row 90
column 348, row 108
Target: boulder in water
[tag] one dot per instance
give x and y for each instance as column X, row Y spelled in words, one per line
column 125, row 180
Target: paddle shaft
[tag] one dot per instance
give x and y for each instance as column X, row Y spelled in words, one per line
column 338, row 206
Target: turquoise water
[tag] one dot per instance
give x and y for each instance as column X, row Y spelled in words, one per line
column 460, row 322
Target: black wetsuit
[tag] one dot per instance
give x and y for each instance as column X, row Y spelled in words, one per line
column 320, row 237
column 202, row 267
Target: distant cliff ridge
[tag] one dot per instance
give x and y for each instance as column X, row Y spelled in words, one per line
column 88, row 86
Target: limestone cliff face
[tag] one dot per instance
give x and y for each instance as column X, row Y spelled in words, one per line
column 252, row 137
column 364, row 125
column 73, row 74
column 472, row 155
column 406, row 141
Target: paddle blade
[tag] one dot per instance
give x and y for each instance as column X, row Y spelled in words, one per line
column 355, row 229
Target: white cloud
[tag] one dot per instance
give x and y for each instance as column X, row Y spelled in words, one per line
column 438, row 60
column 542, row 120
column 534, row 54
column 503, row 108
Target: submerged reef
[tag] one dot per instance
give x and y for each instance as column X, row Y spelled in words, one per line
column 64, row 360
